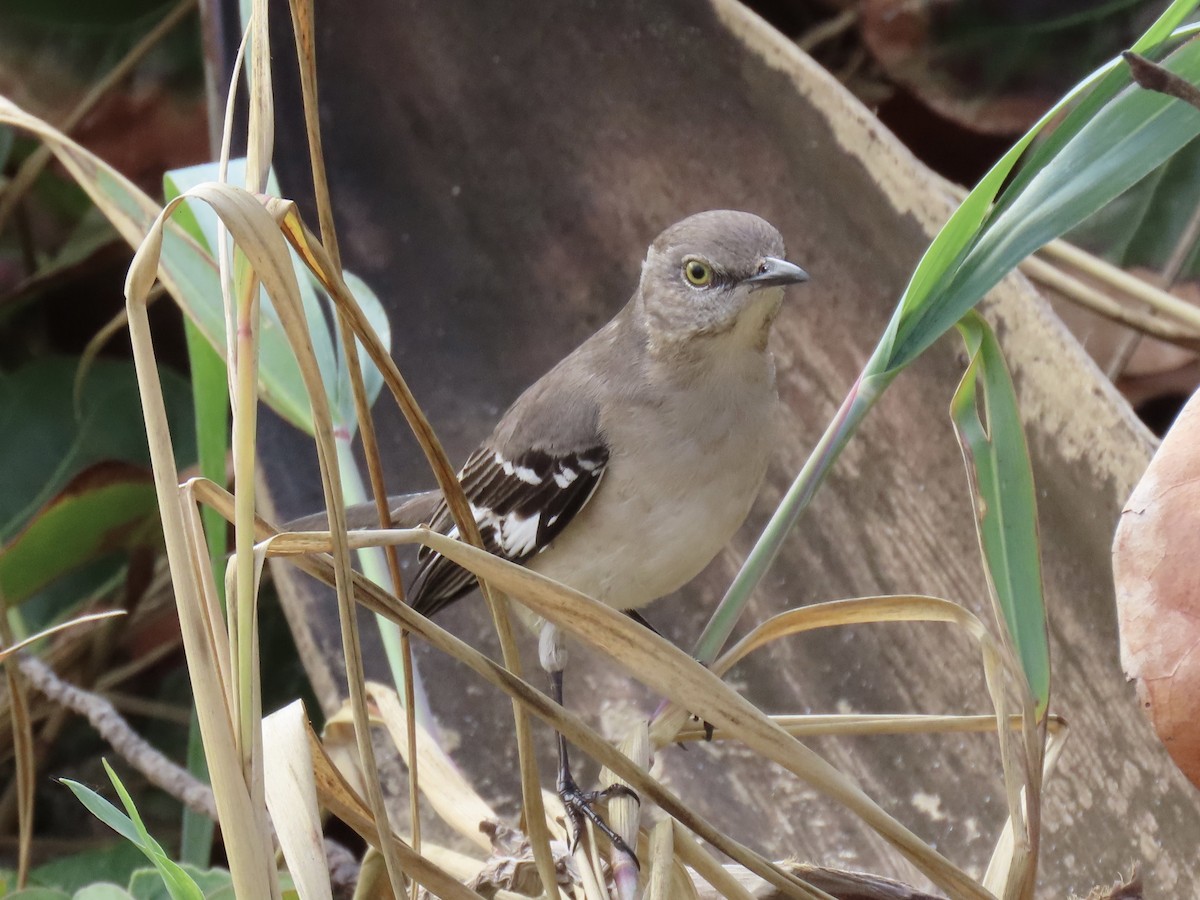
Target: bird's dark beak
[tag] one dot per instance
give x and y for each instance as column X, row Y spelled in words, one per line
column 774, row 272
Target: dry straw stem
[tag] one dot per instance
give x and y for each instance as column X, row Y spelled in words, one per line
column 1102, row 304
column 337, row 795
column 26, row 764
column 1021, row 753
column 350, row 315
column 703, row 864
column 246, row 836
column 1004, row 855
column 662, row 854
column 1123, row 284
column 624, row 812
column 877, row 724
column 655, row 662
column 306, row 549
column 303, row 30
column 291, row 791
column 449, row 793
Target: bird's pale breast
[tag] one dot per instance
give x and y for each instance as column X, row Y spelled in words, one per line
column 652, row 527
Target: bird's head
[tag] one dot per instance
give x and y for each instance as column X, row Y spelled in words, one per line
column 717, row 273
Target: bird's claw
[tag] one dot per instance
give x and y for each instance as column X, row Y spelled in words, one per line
column 580, row 805
column 708, row 727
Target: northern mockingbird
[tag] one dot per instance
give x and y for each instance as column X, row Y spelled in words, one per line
column 626, row 468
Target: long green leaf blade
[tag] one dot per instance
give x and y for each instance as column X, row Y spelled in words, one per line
column 1126, row 140
column 1002, row 491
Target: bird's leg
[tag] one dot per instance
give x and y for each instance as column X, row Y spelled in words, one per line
column 579, row 804
column 641, row 620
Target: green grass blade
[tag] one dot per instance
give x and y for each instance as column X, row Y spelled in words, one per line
column 1002, row 490
column 979, row 245
column 1110, row 80
column 104, row 811
column 1124, row 141
column 179, row 884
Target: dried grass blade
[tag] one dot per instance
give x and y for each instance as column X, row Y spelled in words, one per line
column 292, row 800
column 349, row 314
column 6, row 652
column 303, row 29
column 851, row 724
column 23, row 753
column 305, row 549
column 662, row 855
column 247, row 838
column 854, row 611
column 657, row 663
column 702, row 863
column 450, row 794
column 343, row 801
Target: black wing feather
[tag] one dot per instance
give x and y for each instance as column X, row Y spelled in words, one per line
column 521, row 505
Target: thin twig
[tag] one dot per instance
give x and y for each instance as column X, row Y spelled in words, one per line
column 1154, row 77
column 132, row 747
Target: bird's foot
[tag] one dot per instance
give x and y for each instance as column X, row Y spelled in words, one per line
column 580, row 805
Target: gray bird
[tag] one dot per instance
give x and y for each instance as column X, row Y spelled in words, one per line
column 627, row 467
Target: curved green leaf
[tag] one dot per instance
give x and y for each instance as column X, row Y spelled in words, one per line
column 1120, row 144
column 1002, row 491
column 107, row 508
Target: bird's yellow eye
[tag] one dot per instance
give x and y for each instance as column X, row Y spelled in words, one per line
column 698, row 273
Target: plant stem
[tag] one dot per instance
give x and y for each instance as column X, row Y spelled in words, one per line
column 863, row 394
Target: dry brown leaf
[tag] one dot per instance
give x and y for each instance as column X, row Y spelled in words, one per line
column 1158, row 590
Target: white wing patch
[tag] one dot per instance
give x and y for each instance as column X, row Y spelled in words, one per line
column 524, row 473
column 519, row 504
column 513, row 534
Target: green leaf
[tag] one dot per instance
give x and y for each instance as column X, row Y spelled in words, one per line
column 194, row 268
column 104, row 811
column 1109, row 79
column 279, row 376
column 102, row 891
column 38, row 893
column 113, row 863
column 1124, row 141
column 376, row 315
column 179, row 884
column 45, row 445
column 216, row 884
column 1002, row 490
column 108, row 508
column 1143, row 225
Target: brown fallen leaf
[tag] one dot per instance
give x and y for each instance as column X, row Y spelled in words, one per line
column 1157, row 578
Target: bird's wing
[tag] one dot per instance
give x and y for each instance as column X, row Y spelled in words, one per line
column 521, row 501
